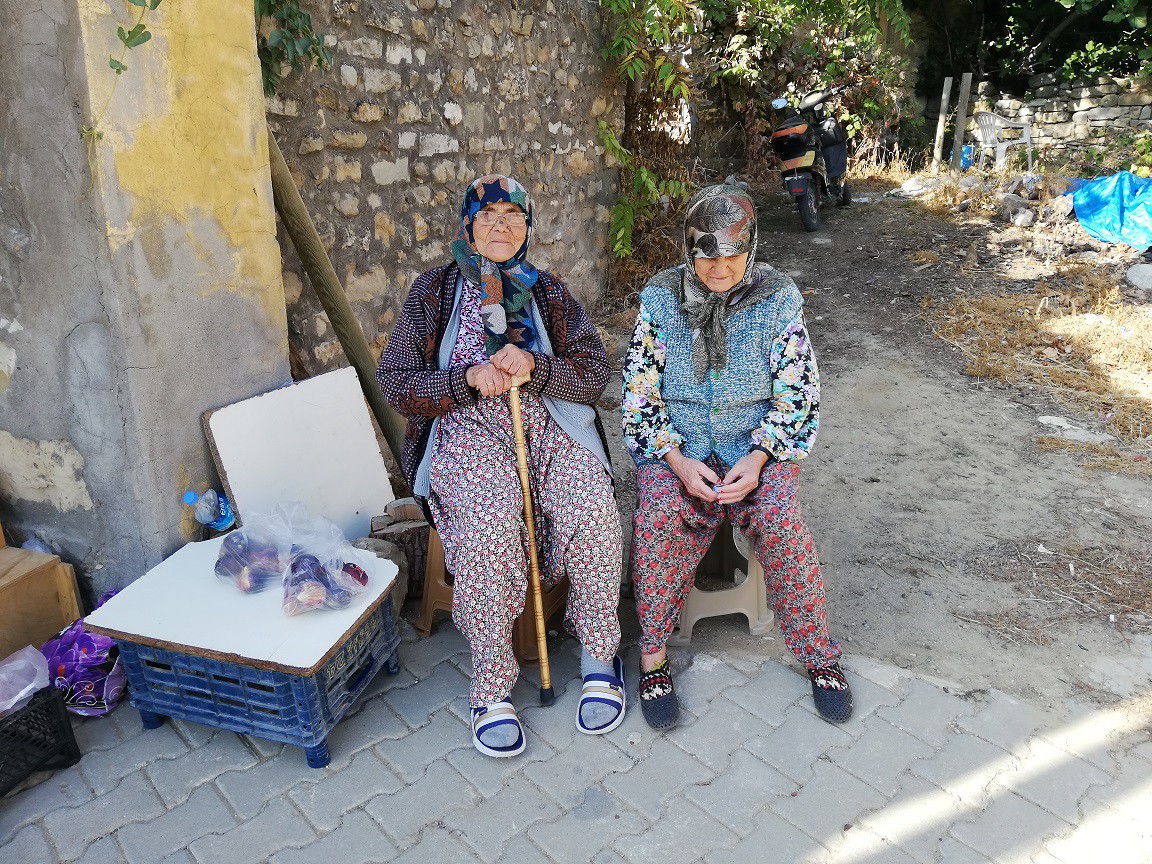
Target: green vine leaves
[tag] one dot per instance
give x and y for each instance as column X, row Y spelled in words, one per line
column 648, row 34
column 134, row 37
column 285, row 38
column 638, row 199
column 648, row 47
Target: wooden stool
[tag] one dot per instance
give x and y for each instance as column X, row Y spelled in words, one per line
column 748, row 597
column 438, row 596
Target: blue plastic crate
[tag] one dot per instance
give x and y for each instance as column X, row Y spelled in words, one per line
column 279, row 706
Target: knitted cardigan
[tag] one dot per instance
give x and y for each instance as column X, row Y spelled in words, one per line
column 411, row 381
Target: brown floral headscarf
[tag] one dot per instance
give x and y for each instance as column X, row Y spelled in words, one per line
column 721, row 221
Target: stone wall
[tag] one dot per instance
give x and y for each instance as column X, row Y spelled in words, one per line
column 421, row 98
column 1076, row 114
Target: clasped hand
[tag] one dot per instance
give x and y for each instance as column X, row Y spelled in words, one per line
column 510, row 366
column 703, row 483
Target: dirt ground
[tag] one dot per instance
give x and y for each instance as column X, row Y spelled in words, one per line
column 940, row 524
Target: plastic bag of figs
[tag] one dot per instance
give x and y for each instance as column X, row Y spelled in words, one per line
column 321, row 571
column 254, row 557
column 308, row 555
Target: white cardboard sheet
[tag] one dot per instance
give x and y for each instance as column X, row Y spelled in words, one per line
column 182, row 602
column 311, row 441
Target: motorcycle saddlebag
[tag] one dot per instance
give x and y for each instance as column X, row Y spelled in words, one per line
column 832, row 142
column 835, row 160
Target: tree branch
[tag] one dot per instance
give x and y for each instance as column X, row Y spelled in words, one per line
column 1029, row 65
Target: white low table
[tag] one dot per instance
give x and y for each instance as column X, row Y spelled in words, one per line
column 196, row 647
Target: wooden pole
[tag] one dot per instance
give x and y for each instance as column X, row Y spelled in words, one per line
column 941, row 123
column 547, row 696
column 961, row 120
column 306, row 241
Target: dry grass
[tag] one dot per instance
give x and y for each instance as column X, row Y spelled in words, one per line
column 946, row 198
column 1011, row 627
column 1104, row 586
column 1073, row 337
column 893, row 171
column 1099, row 456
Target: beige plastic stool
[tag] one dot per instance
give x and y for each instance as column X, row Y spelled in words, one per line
column 748, row 597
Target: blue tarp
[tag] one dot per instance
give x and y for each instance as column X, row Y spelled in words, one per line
column 1116, row 209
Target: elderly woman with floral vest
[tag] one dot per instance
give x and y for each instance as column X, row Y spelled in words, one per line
column 721, row 401
column 470, row 329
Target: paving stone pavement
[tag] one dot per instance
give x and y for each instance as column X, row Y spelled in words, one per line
column 925, row 772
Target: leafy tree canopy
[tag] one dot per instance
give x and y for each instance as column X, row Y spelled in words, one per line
column 1006, row 42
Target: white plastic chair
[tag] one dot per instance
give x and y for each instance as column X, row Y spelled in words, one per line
column 988, row 128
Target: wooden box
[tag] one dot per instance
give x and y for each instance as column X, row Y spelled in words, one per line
column 38, row 598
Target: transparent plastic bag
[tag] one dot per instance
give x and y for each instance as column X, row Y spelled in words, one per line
column 254, row 557
column 321, row 571
column 21, row 675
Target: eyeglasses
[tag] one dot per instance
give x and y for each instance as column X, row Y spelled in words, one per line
column 489, row 218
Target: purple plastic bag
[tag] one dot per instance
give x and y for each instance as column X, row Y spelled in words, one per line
column 86, row 668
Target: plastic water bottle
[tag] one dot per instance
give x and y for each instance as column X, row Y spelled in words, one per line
column 212, row 509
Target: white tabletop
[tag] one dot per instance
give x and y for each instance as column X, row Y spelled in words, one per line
column 180, row 604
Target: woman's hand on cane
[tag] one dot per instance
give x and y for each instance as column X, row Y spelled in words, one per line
column 487, row 379
column 513, row 361
column 698, row 478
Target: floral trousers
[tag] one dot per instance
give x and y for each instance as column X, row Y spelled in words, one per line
column 479, row 512
column 673, row 530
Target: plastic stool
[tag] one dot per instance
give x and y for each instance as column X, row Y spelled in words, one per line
column 438, row 597
column 748, row 597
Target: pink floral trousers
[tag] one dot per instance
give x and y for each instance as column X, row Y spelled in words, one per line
column 672, row 531
column 479, row 513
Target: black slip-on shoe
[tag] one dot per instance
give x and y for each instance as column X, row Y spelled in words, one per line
column 658, row 700
column 831, row 693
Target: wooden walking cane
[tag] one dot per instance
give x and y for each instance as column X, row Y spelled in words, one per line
column 547, row 695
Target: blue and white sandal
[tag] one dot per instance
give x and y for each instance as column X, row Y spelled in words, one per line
column 497, row 714
column 606, row 689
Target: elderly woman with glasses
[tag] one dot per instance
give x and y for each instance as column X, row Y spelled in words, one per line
column 469, row 330
column 721, row 401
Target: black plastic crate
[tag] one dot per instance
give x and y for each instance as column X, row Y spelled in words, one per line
column 38, row 737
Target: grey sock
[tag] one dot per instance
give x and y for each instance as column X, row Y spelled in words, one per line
column 595, row 714
column 503, row 735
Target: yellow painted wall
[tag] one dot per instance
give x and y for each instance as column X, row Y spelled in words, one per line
column 185, row 140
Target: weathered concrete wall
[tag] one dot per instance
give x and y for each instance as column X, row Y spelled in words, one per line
column 1075, row 114
column 423, row 97
column 138, row 296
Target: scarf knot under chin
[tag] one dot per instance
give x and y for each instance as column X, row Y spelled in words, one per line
column 708, row 311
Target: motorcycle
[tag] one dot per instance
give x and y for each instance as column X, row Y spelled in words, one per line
column 813, row 152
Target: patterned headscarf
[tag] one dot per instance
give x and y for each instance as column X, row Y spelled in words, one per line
column 721, row 221
column 506, row 286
